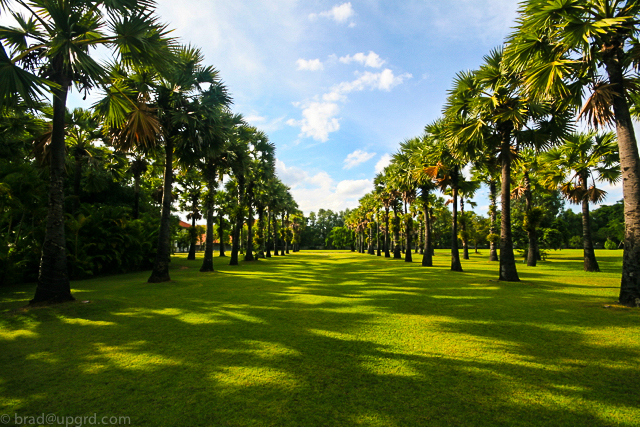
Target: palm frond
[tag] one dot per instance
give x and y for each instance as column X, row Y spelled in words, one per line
column 597, row 109
column 17, row 84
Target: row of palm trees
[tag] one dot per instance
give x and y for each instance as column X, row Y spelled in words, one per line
column 158, row 98
column 522, row 102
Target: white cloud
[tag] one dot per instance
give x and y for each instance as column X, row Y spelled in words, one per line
column 356, row 158
column 384, row 161
column 371, row 59
column 340, row 14
column 313, row 192
column 384, row 80
column 254, row 118
column 319, row 118
column 353, row 188
column 309, row 65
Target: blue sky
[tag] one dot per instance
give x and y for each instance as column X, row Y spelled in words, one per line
column 337, row 85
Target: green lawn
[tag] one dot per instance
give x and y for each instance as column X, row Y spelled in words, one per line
column 331, row 339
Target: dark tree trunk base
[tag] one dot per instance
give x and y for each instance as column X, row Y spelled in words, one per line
column 43, row 296
column 427, row 260
column 159, row 278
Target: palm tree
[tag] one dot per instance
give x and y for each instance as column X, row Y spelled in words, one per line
column 58, row 49
column 239, row 163
column 261, row 169
column 406, row 183
column 420, row 162
column 486, row 169
column 444, row 168
column 467, row 190
column 563, row 46
column 526, row 167
column 489, row 111
column 83, row 128
column 184, row 119
column 385, row 196
column 213, row 165
column 583, row 156
column 137, row 167
column 190, row 181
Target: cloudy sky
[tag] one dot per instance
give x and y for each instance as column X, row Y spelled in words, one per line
column 337, row 85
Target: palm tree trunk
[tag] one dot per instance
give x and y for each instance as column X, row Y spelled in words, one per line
column 463, row 226
column 508, row 270
column 235, row 242
column 532, row 257
column 261, row 232
column 396, row 235
column 268, row 236
column 427, row 253
column 239, row 221
column 283, row 230
column 420, row 237
column 221, row 234
column 275, row 235
column 193, row 234
column 590, row 262
column 455, row 254
column 379, row 252
column 53, row 278
column 207, row 261
column 493, row 192
column 630, row 167
column 370, row 249
column 160, row 271
column 249, row 256
column 408, row 234
column 286, row 241
column 386, row 233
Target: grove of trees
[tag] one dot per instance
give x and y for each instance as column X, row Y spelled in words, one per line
column 94, row 191
column 511, row 124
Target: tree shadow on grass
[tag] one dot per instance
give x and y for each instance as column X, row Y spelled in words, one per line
column 303, row 343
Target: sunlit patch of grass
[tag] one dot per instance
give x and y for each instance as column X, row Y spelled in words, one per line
column 332, row 338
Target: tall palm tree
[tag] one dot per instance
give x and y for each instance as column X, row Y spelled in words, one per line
column 177, row 109
column 486, row 169
column 444, row 168
column 261, row 169
column 526, row 167
column 385, row 196
column 213, row 165
column 561, row 47
column 50, row 51
column 467, row 189
column 83, row 129
column 420, row 162
column 137, row 167
column 584, row 156
column 489, row 111
column 406, row 183
column 190, row 183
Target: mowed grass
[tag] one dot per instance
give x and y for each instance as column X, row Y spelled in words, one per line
column 331, row 339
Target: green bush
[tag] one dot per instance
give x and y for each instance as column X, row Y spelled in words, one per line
column 610, row 244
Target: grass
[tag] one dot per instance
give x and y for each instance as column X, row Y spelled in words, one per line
column 331, row 339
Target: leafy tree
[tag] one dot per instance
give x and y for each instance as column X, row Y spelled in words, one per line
column 570, row 166
column 50, row 51
column 563, row 46
column 445, row 170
